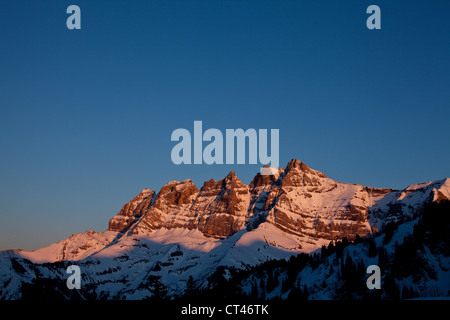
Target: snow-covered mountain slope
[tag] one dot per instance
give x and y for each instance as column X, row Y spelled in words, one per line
column 182, row 231
column 77, row 247
column 414, row 262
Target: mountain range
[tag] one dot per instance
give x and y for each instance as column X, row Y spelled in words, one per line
column 182, row 233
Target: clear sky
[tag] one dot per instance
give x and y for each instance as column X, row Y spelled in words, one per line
column 86, row 115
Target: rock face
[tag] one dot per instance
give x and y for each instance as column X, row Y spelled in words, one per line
column 171, row 207
column 220, row 208
column 297, row 200
column 132, row 211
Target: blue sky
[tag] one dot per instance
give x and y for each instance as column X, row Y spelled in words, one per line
column 87, row 115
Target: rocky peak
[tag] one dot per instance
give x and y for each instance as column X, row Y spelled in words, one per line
column 302, row 167
column 231, row 182
column 145, row 192
column 298, row 174
column 220, row 207
column 132, row 210
column 224, row 192
column 263, row 181
column 208, row 185
column 266, row 180
column 141, row 196
column 176, row 193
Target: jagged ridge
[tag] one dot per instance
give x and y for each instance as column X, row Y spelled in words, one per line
column 297, row 200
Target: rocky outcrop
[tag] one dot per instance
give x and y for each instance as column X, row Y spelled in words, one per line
column 218, row 210
column 172, row 206
column 297, row 200
column 221, row 207
column 132, row 211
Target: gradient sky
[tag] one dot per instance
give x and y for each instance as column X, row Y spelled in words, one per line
column 86, row 115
